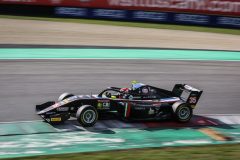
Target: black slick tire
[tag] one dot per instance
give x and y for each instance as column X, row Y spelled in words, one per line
column 87, row 115
column 183, row 113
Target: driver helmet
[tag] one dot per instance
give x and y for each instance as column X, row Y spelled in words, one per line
column 136, row 85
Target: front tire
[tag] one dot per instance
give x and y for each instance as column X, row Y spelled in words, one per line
column 183, row 113
column 87, row 115
column 64, row 96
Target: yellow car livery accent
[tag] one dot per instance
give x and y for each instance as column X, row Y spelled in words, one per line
column 56, row 119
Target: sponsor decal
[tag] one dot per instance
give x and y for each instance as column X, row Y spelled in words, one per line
column 103, row 100
column 56, row 119
column 221, row 7
column 99, row 105
column 151, row 111
column 62, row 109
column 109, row 13
column 170, row 99
column 193, row 6
column 143, row 104
column 151, row 96
column 145, row 90
column 103, row 104
column 139, row 108
column 192, row 18
column 67, row 11
column 185, row 94
column 229, row 21
column 167, row 17
column 137, row 97
column 155, row 16
column 130, row 97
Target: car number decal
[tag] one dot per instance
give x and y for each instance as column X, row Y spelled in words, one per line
column 192, row 100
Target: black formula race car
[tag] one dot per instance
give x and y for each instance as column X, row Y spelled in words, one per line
column 140, row 102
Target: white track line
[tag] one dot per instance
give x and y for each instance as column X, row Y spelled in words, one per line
column 207, row 115
column 21, row 121
column 119, row 59
column 217, row 114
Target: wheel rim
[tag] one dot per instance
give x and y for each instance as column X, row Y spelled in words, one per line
column 89, row 116
column 184, row 113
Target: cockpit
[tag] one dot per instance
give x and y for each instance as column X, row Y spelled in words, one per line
column 138, row 91
column 110, row 93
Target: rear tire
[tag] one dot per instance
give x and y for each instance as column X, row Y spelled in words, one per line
column 64, row 96
column 183, row 113
column 87, row 115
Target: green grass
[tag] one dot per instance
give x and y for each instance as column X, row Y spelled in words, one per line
column 213, row 152
column 131, row 24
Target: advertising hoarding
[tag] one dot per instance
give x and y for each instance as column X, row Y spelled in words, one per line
column 151, row 16
column 213, row 7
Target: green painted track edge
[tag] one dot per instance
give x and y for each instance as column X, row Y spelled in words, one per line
column 161, row 54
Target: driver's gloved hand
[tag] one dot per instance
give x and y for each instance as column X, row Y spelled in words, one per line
column 108, row 95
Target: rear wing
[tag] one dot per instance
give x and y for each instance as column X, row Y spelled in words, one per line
column 187, row 93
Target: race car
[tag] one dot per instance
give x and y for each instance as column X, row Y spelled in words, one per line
column 139, row 102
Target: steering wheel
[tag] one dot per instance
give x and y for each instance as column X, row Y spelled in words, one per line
column 108, row 94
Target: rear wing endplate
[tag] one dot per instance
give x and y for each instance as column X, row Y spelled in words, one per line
column 187, row 93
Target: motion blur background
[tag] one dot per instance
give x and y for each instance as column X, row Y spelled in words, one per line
column 26, row 23
column 219, row 13
column 169, row 15
column 64, row 28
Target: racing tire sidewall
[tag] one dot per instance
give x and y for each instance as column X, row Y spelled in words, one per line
column 87, row 116
column 183, row 113
column 64, row 96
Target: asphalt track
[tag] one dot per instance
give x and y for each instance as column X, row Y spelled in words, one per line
column 24, row 83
